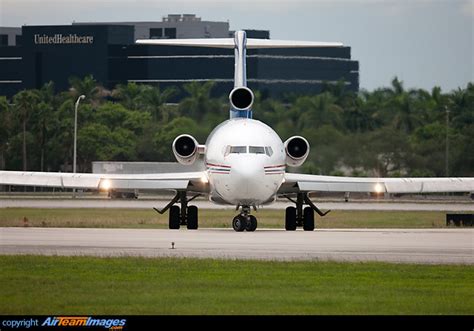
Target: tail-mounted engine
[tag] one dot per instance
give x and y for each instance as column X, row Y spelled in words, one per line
column 297, row 150
column 186, row 149
column 241, row 98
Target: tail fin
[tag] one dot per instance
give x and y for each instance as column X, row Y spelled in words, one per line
column 241, row 97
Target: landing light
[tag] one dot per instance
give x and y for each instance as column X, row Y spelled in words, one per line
column 204, row 179
column 378, row 188
column 105, row 184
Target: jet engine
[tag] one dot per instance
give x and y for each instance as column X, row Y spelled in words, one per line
column 185, row 149
column 241, row 98
column 297, row 150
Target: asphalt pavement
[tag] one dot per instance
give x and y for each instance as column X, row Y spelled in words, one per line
column 427, row 246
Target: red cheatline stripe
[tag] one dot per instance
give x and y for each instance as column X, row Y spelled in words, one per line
column 219, row 165
column 216, row 167
column 275, row 166
column 219, row 172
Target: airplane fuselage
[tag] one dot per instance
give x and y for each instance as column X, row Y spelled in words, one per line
column 245, row 162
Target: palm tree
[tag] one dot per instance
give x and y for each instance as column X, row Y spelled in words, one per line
column 357, row 117
column 406, row 118
column 130, row 95
column 25, row 102
column 403, row 107
column 397, row 86
column 45, row 118
column 199, row 100
column 317, row 111
column 155, row 99
column 89, row 87
column 374, row 106
column 461, row 105
column 5, row 128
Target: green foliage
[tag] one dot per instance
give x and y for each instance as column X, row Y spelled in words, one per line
column 155, row 100
column 390, row 131
column 111, row 134
column 178, row 286
column 165, row 135
column 88, row 87
column 199, row 102
column 100, row 143
column 6, row 122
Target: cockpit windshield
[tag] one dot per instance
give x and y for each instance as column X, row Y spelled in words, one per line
column 238, row 149
column 256, row 150
column 249, row 149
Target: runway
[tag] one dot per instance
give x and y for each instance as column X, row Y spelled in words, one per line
column 149, row 204
column 427, row 246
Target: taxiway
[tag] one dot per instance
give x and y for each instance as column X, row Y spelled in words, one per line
column 430, row 246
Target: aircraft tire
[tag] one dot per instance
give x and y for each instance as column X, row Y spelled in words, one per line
column 192, row 218
column 290, row 219
column 251, row 224
column 174, row 218
column 308, row 219
column 239, row 223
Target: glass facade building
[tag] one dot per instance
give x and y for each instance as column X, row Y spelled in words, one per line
column 31, row 56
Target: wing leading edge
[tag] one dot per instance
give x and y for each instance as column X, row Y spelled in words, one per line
column 165, row 181
column 314, row 183
column 230, row 43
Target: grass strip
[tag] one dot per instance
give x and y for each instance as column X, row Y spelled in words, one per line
column 126, row 285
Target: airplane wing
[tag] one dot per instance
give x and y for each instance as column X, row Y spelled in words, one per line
column 192, row 181
column 230, row 43
column 295, row 183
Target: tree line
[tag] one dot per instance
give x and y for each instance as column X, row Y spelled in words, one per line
column 391, row 131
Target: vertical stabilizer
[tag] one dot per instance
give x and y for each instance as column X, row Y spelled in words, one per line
column 241, row 97
column 240, row 73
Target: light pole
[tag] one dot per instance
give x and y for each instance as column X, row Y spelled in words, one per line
column 81, row 97
column 447, row 141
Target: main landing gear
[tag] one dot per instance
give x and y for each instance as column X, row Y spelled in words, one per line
column 299, row 217
column 184, row 215
column 244, row 221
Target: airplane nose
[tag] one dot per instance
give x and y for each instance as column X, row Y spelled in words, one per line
column 248, row 179
column 248, row 171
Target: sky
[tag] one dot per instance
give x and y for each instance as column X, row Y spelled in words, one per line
column 425, row 43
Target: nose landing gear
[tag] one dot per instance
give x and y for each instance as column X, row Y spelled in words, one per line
column 244, row 221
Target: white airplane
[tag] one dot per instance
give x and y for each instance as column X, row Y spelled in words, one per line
column 246, row 161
